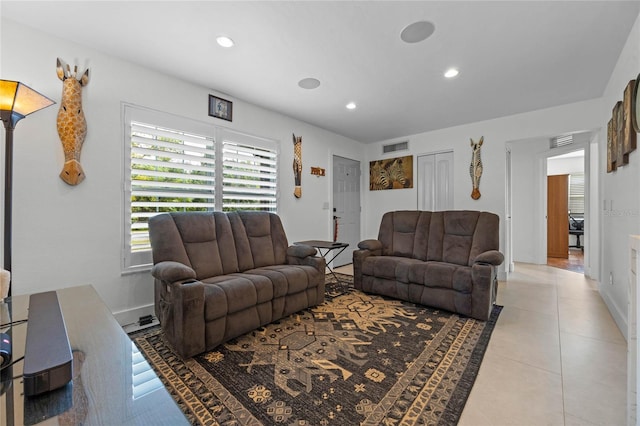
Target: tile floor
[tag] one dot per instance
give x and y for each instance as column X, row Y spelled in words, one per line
column 556, row 357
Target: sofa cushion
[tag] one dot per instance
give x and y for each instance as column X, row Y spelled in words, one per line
column 259, row 238
column 238, row 293
column 405, row 233
column 200, row 240
column 390, row 267
column 442, row 275
column 289, row 279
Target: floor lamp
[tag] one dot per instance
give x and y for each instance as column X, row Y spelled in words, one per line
column 16, row 102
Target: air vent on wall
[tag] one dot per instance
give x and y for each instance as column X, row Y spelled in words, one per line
column 559, row 141
column 399, row 146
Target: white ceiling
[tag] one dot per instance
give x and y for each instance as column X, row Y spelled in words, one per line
column 513, row 56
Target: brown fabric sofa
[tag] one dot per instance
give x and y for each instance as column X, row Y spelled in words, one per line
column 445, row 259
column 220, row 275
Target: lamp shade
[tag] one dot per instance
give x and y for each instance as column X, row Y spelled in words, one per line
column 18, row 100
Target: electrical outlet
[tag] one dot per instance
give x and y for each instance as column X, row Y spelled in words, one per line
column 611, row 278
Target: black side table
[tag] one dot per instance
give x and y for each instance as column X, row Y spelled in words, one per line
column 328, row 247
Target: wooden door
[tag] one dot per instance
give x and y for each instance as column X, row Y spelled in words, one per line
column 558, row 216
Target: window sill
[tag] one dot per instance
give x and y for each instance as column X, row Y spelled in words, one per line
column 136, row 269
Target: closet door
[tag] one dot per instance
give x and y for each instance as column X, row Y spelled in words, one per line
column 558, row 216
column 435, row 181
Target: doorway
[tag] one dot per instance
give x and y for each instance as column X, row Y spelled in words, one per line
column 526, row 199
column 346, row 207
column 566, row 211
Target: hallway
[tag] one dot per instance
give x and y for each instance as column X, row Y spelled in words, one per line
column 574, row 263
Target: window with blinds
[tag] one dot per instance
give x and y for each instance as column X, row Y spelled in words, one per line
column 171, row 170
column 576, row 193
column 248, row 177
column 175, row 165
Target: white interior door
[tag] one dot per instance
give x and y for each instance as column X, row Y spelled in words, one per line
column 346, row 206
column 435, row 181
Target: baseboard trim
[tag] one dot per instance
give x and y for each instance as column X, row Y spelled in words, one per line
column 618, row 315
column 129, row 316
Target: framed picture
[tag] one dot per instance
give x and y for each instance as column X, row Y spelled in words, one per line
column 611, row 162
column 220, row 108
column 635, row 106
column 628, row 132
column 622, row 157
column 392, row 173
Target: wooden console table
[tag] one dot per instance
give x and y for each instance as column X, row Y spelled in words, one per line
column 110, row 382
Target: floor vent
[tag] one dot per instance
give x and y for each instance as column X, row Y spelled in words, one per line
column 399, row 146
column 559, row 141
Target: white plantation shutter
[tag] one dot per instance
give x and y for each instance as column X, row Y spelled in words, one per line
column 171, row 170
column 175, row 164
column 249, row 177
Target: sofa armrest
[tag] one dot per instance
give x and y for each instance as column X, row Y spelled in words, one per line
column 372, row 245
column 305, row 255
column 301, row 251
column 171, row 272
column 180, row 307
column 491, row 257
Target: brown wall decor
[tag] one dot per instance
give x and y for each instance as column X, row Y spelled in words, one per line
column 611, row 157
column 635, row 106
column 619, row 119
column 392, row 173
column 475, row 168
column 621, row 129
column 297, row 165
column 629, row 133
column 72, row 126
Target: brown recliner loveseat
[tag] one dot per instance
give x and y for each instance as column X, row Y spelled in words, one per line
column 220, row 275
column 446, row 259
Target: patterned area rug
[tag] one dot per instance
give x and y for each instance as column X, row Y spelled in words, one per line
column 356, row 359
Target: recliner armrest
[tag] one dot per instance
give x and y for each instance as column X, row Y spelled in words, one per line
column 301, row 251
column 295, row 257
column 372, row 245
column 172, row 271
column 491, row 257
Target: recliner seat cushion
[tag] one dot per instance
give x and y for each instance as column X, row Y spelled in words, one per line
column 390, row 267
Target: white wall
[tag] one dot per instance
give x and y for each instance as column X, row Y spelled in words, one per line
column 66, row 236
column 561, row 166
column 534, row 125
column 619, row 191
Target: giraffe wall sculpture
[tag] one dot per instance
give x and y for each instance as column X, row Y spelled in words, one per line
column 475, row 168
column 72, row 126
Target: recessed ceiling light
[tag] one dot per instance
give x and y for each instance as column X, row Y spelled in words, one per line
column 351, row 105
column 417, row 31
column 309, row 83
column 225, row 41
column 451, row 72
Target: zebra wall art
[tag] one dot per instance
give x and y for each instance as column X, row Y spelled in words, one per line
column 475, row 168
column 393, row 173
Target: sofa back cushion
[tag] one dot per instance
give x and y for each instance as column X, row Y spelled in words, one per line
column 217, row 243
column 455, row 236
column 260, row 239
column 200, row 240
column 405, row 233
